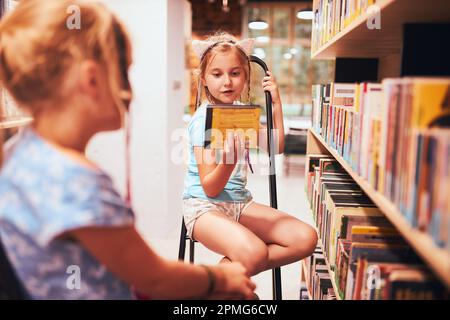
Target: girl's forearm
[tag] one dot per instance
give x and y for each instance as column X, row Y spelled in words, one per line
column 278, row 125
column 214, row 182
column 182, row 281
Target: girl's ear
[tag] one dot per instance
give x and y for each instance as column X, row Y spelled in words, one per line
column 203, row 81
column 90, row 78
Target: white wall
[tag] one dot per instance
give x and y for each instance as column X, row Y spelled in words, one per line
column 157, row 77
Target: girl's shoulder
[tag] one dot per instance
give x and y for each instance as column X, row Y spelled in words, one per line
column 198, row 116
column 32, row 156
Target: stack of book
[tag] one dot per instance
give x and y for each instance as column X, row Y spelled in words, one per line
column 331, row 16
column 318, row 277
column 367, row 257
column 396, row 135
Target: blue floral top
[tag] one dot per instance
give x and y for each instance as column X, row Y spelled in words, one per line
column 43, row 195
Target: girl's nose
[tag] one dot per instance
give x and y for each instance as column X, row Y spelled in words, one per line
column 227, row 80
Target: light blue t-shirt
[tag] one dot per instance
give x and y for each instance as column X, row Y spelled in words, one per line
column 234, row 190
column 44, row 194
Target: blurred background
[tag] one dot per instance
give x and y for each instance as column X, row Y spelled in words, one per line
column 282, row 30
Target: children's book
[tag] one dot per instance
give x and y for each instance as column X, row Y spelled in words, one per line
column 224, row 118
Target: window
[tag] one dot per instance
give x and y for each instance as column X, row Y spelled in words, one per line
column 286, row 48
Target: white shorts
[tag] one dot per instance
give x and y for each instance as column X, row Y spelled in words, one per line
column 193, row 208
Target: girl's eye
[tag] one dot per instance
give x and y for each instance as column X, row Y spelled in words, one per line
column 216, row 75
column 236, row 73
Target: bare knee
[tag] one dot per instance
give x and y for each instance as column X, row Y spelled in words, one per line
column 311, row 242
column 305, row 241
column 253, row 256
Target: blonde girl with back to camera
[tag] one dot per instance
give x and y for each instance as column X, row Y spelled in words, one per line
column 218, row 209
column 57, row 208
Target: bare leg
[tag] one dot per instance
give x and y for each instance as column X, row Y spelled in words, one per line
column 288, row 239
column 231, row 239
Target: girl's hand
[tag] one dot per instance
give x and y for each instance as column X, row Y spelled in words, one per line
column 233, row 149
column 232, row 282
column 269, row 84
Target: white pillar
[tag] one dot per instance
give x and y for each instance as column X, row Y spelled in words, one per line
column 157, row 30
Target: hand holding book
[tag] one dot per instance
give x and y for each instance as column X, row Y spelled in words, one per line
column 235, row 148
column 224, row 119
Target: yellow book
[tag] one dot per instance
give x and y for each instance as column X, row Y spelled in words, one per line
column 431, row 102
column 336, row 221
column 224, row 119
column 374, row 230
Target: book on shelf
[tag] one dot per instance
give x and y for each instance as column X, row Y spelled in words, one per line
column 348, row 221
column 312, row 161
column 375, row 234
column 337, row 208
column 342, row 256
column 358, row 241
column 332, row 16
column 396, row 137
column 379, row 252
column 414, row 284
column 321, row 283
column 304, row 293
column 309, row 262
column 318, row 279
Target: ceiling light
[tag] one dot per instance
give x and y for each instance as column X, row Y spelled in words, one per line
column 263, row 39
column 258, row 25
column 306, row 14
column 287, row 56
column 293, row 51
column 225, row 7
column 256, row 22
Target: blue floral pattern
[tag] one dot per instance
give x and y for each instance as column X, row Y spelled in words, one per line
column 43, row 195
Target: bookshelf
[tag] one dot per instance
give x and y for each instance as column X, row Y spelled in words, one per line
column 409, row 37
column 357, row 40
column 330, row 272
column 436, row 258
column 306, row 279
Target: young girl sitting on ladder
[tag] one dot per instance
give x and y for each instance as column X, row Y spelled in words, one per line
column 218, row 209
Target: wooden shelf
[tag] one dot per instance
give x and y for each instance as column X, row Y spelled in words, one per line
column 438, row 259
column 17, row 122
column 358, row 41
column 330, row 272
column 308, row 289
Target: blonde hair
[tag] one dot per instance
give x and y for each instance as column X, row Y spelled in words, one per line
column 37, row 48
column 223, row 42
